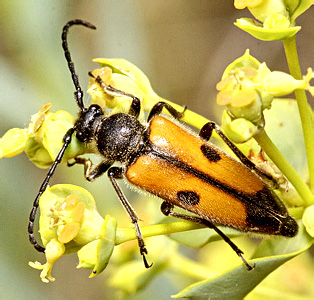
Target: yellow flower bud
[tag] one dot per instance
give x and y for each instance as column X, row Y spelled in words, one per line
column 13, row 142
column 280, row 84
column 308, row 220
column 276, row 21
column 267, row 8
column 239, row 130
column 96, row 255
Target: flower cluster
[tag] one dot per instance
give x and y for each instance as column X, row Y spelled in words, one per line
column 42, row 139
column 69, row 222
column 247, row 88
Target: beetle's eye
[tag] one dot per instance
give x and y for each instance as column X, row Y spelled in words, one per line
column 79, row 135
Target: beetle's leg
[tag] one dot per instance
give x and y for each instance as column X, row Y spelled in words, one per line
column 91, row 172
column 117, row 173
column 66, row 141
column 157, row 108
column 206, row 133
column 167, row 209
column 135, row 107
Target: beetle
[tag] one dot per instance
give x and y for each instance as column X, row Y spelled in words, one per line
column 167, row 160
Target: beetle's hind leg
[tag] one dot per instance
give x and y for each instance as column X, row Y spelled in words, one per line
column 115, row 173
column 167, row 210
column 206, row 133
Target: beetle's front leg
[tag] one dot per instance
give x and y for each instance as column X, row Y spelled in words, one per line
column 91, row 172
column 135, row 107
column 115, row 173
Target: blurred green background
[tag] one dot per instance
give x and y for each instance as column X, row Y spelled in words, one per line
column 182, row 46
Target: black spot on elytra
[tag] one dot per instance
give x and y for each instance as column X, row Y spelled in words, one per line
column 188, row 197
column 210, row 153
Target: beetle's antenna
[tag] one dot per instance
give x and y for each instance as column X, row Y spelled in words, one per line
column 78, row 94
column 66, row 141
column 67, row 137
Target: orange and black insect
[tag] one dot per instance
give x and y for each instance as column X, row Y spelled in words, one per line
column 180, row 167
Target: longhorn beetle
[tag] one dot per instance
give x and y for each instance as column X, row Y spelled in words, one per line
column 166, row 160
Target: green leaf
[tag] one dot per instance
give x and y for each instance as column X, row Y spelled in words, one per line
column 283, row 126
column 238, row 282
column 201, row 237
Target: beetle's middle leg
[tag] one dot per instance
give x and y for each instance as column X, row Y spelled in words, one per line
column 158, row 107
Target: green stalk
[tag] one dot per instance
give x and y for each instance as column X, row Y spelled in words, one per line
column 284, row 166
column 128, row 234
column 304, row 109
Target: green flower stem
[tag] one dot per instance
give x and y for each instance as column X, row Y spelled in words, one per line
column 128, row 234
column 284, row 166
column 304, row 109
column 183, row 265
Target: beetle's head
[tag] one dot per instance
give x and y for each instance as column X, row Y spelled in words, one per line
column 87, row 122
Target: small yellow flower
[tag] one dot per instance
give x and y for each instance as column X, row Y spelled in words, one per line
column 99, row 96
column 69, row 222
column 277, row 18
column 107, row 98
column 67, row 217
column 238, row 92
column 128, row 78
column 15, row 140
